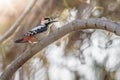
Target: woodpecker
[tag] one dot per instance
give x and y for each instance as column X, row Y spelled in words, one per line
column 30, row 35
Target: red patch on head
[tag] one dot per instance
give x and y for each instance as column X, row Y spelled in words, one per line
column 42, row 19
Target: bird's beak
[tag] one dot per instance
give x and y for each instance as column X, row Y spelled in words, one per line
column 52, row 21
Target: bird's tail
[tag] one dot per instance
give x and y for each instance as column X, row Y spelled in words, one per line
column 21, row 40
column 30, row 39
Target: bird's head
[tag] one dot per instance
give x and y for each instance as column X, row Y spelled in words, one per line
column 47, row 21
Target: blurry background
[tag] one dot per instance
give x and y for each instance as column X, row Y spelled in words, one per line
column 82, row 55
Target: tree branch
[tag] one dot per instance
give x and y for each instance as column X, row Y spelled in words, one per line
column 72, row 26
column 17, row 23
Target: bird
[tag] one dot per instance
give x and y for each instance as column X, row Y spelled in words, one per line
column 30, row 35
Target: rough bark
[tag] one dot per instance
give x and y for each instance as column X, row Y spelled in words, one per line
column 60, row 32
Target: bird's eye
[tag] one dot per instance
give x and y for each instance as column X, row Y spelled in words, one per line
column 47, row 19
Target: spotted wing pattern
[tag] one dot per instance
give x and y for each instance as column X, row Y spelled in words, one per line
column 30, row 35
column 36, row 30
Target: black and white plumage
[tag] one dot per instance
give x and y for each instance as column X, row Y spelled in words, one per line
column 30, row 35
column 36, row 30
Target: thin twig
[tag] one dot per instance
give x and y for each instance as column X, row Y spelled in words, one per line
column 17, row 23
column 75, row 25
